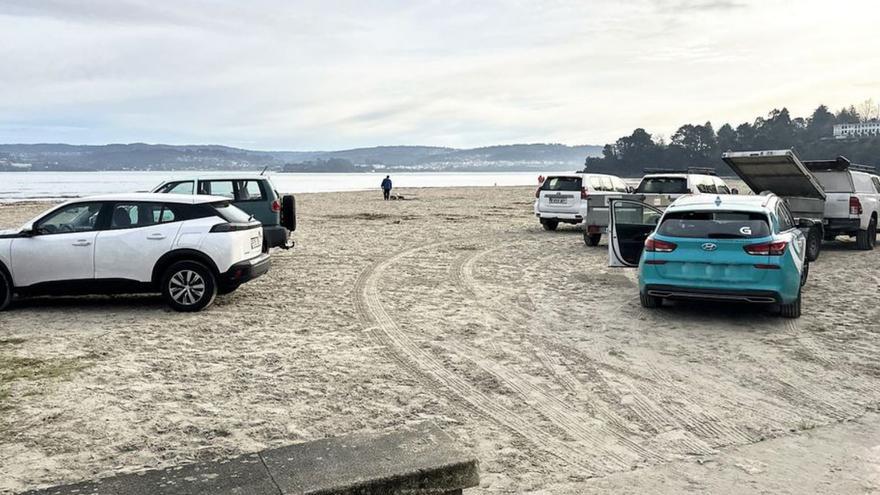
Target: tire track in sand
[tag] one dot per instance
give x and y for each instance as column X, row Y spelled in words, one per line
column 614, row 425
column 426, row 368
column 698, row 428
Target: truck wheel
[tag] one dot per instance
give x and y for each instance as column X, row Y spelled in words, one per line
column 549, row 224
column 592, row 239
column 649, row 301
column 189, row 286
column 863, row 237
column 791, row 310
column 5, row 291
column 814, row 244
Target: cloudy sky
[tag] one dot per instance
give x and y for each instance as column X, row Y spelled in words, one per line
column 306, row 75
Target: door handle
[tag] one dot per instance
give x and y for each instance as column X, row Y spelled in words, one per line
column 82, row 243
column 155, row 237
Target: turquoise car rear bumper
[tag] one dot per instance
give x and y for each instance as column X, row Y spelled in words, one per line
column 781, row 285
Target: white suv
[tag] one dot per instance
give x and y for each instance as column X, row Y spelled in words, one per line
column 678, row 184
column 189, row 248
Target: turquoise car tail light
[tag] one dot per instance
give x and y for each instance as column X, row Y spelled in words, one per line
column 657, row 246
column 767, row 248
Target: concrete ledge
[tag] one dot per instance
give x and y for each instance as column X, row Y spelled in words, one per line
column 420, row 459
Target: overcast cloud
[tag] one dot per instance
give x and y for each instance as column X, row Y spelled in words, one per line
column 277, row 74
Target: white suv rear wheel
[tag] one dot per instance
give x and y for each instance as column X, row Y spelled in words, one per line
column 189, row 286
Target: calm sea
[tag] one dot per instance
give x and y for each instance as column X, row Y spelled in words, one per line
column 22, row 186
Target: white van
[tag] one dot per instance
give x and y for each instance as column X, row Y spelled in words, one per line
column 579, row 199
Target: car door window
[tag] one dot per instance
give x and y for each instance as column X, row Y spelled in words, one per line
column 134, row 215
column 619, row 185
column 222, row 188
column 78, row 217
column 248, row 190
column 705, row 185
column 721, row 186
column 595, row 183
column 185, row 187
column 876, row 182
column 786, row 222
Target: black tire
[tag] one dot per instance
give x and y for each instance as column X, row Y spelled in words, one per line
column 791, row 310
column 288, row 212
column 814, row 244
column 805, row 273
column 189, row 286
column 5, row 291
column 649, row 301
column 864, row 237
column 549, row 224
column 592, row 239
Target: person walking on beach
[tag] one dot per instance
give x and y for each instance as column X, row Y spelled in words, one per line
column 386, row 187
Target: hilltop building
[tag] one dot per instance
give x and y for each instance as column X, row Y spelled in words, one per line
column 856, row 131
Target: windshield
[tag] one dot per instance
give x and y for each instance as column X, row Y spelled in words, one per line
column 663, row 185
column 835, row 182
column 562, row 184
column 715, row 225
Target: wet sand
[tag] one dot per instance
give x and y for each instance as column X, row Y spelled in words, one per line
column 455, row 307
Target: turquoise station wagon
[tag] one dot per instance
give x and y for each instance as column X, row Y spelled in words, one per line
column 713, row 247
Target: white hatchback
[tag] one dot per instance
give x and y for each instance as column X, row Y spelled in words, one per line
column 189, row 248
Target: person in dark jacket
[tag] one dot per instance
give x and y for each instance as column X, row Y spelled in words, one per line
column 386, row 187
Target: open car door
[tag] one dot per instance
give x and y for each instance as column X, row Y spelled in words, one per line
column 630, row 223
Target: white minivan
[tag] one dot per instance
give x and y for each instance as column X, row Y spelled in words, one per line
column 578, row 199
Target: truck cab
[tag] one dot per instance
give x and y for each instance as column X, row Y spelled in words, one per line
column 852, row 203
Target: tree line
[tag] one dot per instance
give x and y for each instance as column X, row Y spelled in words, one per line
column 701, row 146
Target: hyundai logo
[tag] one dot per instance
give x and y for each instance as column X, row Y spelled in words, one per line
column 709, row 246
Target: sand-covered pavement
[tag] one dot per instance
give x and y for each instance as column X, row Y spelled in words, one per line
column 455, row 307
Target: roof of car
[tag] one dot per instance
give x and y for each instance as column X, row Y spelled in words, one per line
column 157, row 197
column 745, row 202
column 219, row 176
column 682, row 175
column 581, row 174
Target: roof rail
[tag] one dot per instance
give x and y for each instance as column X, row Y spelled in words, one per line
column 840, row 164
column 702, row 170
column 863, row 168
column 689, row 170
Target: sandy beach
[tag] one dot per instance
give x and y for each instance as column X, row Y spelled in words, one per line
column 455, row 306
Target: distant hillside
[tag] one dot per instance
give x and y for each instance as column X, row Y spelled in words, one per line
column 140, row 156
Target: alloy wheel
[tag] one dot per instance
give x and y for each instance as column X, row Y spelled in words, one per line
column 187, row 287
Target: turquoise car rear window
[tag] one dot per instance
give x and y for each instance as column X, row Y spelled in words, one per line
column 715, row 225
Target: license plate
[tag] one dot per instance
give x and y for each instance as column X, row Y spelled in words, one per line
column 558, row 201
column 255, row 242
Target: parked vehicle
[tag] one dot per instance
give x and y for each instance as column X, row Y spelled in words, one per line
column 252, row 193
column 578, row 198
column 852, row 200
column 188, row 248
column 660, row 187
column 716, row 248
column 782, row 173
